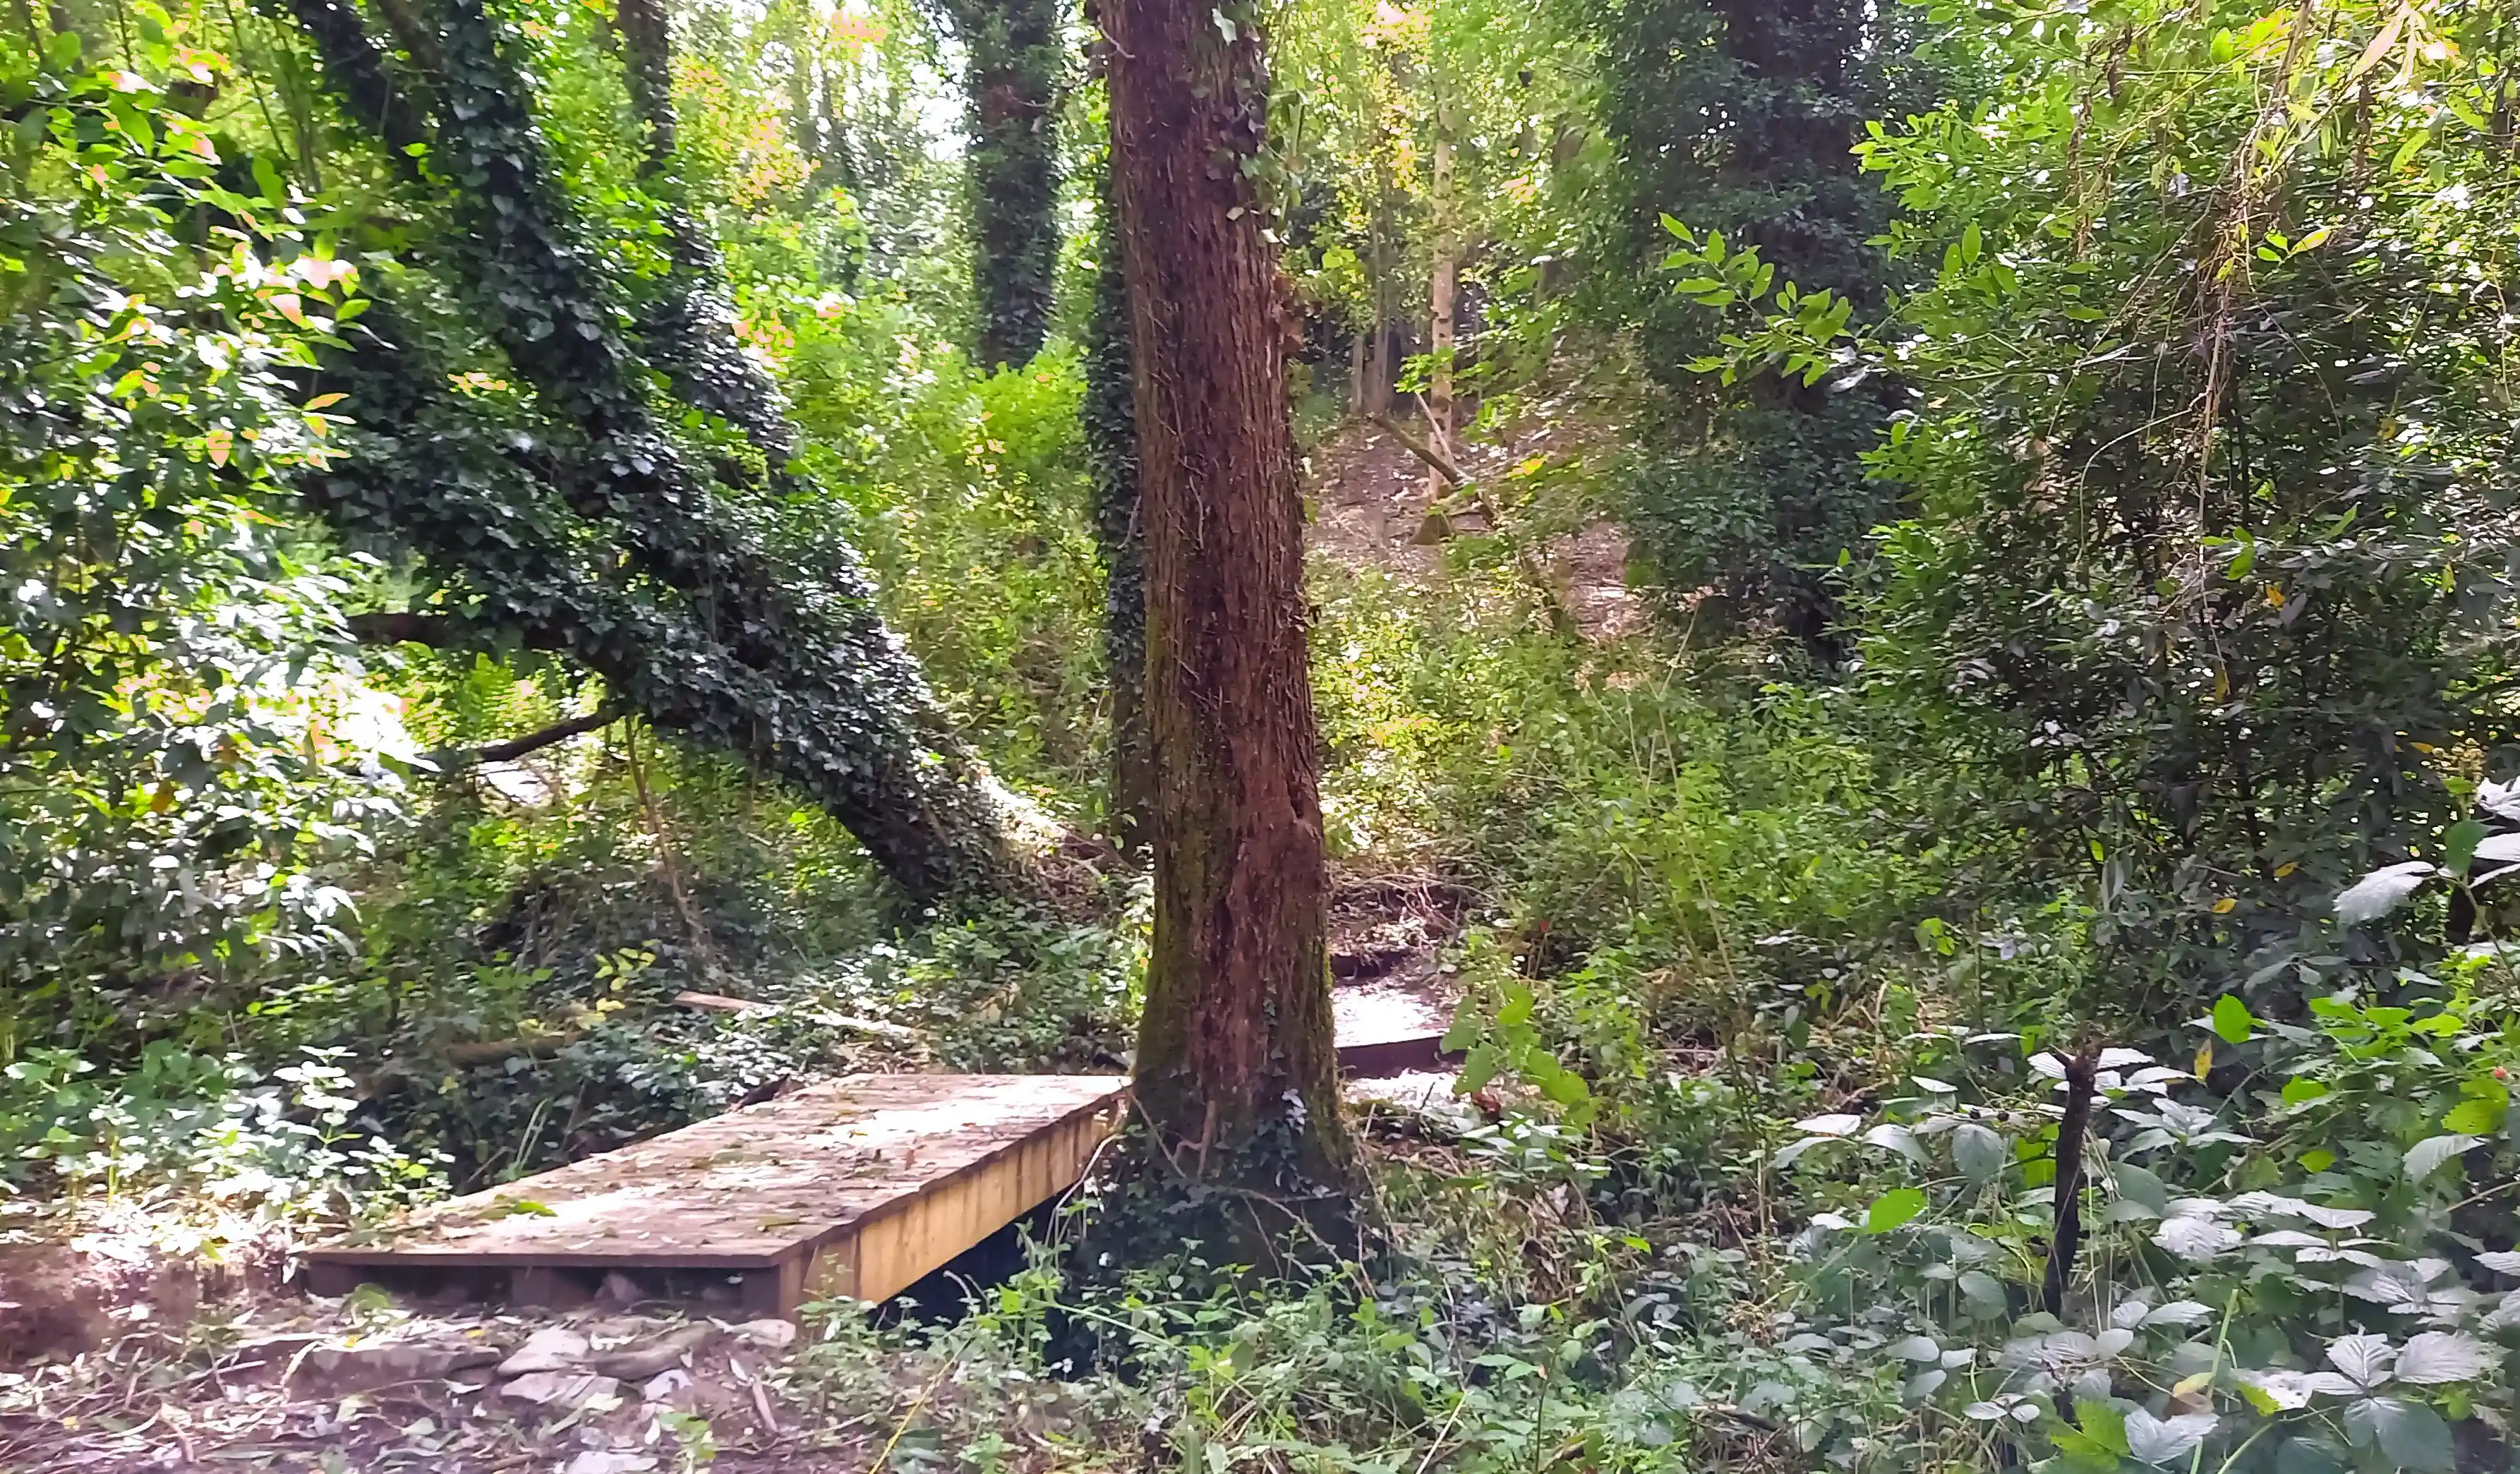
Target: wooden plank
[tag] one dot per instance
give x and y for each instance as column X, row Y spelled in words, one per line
column 897, row 1245
column 1376, row 1059
column 762, row 1188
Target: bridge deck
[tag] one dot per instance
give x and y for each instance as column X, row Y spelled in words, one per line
column 853, row 1187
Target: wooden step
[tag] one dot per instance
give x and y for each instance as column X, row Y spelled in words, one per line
column 856, row 1187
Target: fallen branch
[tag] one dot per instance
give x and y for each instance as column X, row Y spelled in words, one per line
column 401, row 627
column 1441, row 463
column 719, row 1003
column 455, row 760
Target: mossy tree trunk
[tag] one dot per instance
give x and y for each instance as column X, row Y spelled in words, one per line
column 1235, row 1073
column 1012, row 49
column 1110, row 425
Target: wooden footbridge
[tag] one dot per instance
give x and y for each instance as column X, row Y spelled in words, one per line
column 855, row 1188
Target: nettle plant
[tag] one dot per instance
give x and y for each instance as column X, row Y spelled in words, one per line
column 2312, row 1271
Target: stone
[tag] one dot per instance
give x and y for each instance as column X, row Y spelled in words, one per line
column 610, row 1461
column 361, row 1369
column 769, row 1335
column 554, row 1347
column 637, row 1364
column 562, row 1391
column 663, row 1385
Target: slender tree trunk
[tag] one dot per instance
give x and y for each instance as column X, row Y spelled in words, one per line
column 1013, row 61
column 1378, row 357
column 1235, row 1069
column 1439, row 311
column 1110, row 424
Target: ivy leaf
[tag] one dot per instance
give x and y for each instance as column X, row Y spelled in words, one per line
column 1478, row 1069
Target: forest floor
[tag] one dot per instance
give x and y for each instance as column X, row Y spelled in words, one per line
column 126, row 1344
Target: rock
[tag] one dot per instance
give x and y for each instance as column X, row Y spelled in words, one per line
column 338, row 1369
column 769, row 1335
column 608, row 1461
column 562, row 1391
column 664, row 1384
column 637, row 1364
column 554, row 1347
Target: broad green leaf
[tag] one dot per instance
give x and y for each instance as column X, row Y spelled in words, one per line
column 2426, row 1156
column 2458, row 845
column 2409, row 1435
column 2232, row 1021
column 2382, row 891
column 2473, row 1117
column 1978, row 1151
column 1892, row 1209
column 2163, row 1442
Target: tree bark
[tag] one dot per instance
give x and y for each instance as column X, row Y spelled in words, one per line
column 1235, row 1070
column 1012, row 80
column 1110, row 425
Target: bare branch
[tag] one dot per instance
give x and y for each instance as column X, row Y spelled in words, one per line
column 1443, row 465
column 455, row 760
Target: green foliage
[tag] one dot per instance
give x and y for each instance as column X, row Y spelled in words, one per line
column 1739, row 118
column 186, row 746
column 180, row 1124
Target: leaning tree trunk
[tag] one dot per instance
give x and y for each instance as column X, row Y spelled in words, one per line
column 1011, row 49
column 643, row 572
column 1236, row 1072
column 1110, row 425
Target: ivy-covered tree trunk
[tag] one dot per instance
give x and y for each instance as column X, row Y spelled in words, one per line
column 644, row 570
column 1110, row 424
column 1740, row 116
column 1012, row 56
column 1235, row 1070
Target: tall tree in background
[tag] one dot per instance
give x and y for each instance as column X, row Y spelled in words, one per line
column 1236, row 1071
column 1012, row 61
column 1739, row 117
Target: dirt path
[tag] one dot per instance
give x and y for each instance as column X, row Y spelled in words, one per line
column 1370, row 496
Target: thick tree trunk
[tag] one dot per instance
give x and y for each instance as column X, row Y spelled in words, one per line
column 1235, row 1069
column 643, row 572
column 1110, row 424
column 1013, row 61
